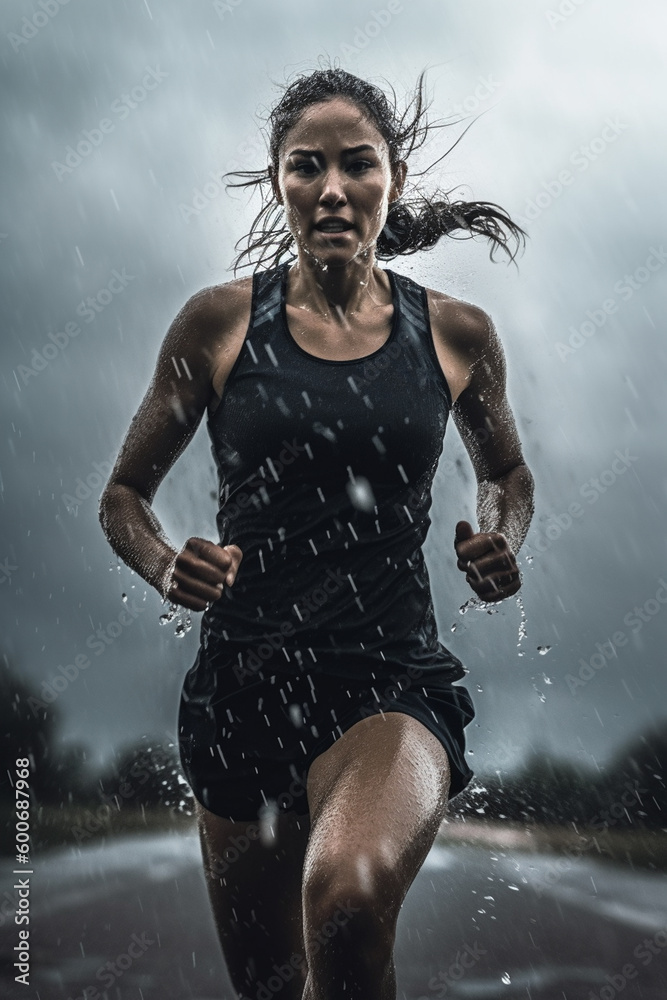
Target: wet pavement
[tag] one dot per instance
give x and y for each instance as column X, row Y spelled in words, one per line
column 477, row 923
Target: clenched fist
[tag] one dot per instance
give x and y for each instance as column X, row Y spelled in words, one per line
column 200, row 571
column 488, row 562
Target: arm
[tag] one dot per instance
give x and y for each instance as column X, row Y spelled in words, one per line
column 160, row 430
column 504, row 482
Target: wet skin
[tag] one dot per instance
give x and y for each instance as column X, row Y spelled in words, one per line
column 376, row 797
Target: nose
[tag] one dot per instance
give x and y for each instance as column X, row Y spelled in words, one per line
column 333, row 188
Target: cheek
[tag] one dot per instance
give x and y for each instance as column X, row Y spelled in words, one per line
column 296, row 197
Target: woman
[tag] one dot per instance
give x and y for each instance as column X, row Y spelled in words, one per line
column 321, row 696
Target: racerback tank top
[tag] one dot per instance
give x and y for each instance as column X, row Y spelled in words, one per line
column 325, row 472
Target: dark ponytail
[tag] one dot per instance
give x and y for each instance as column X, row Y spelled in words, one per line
column 415, row 222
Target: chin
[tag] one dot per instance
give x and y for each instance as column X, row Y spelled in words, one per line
column 337, row 256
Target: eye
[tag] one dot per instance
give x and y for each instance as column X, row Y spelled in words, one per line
column 306, row 167
column 358, row 166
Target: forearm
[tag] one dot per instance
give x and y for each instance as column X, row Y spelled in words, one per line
column 136, row 535
column 506, row 505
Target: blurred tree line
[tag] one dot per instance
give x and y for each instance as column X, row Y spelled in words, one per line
column 146, row 775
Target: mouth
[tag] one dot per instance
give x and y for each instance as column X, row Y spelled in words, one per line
column 333, row 226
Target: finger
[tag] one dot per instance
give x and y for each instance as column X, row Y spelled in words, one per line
column 218, row 556
column 178, row 596
column 475, row 547
column 195, row 587
column 236, row 557
column 494, row 562
column 463, row 531
column 496, row 587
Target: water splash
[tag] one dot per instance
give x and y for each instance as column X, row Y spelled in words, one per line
column 543, row 650
column 522, row 624
column 491, row 607
column 182, row 617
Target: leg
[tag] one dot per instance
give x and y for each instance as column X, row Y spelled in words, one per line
column 255, row 894
column 376, row 799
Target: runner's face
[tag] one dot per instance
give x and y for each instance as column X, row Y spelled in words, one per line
column 334, row 163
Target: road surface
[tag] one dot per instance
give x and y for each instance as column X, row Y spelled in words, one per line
column 477, row 924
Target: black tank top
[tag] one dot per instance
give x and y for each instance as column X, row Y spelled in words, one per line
column 325, row 472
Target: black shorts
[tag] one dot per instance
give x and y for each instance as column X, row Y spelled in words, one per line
column 252, row 747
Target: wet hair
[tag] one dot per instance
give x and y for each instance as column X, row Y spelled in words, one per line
column 416, row 221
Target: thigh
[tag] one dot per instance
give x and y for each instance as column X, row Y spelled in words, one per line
column 378, row 794
column 254, row 885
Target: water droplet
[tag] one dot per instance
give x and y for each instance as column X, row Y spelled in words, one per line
column 505, row 978
column 182, row 616
column 543, row 650
column 361, row 494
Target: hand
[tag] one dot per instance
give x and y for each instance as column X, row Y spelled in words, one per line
column 488, row 562
column 200, row 571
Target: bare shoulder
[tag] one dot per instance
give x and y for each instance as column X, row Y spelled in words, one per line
column 465, row 341
column 216, row 306
column 463, row 326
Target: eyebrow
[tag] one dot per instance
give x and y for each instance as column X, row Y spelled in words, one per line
column 316, row 152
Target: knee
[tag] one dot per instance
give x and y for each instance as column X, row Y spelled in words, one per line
column 352, row 898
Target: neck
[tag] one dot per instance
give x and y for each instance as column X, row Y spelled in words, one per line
column 336, row 291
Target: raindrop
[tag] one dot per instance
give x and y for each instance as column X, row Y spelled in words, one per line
column 361, row 494
column 543, row 650
column 268, row 831
column 505, row 978
column 123, row 597
column 296, row 715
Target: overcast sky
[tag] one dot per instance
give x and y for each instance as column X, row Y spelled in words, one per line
column 570, row 144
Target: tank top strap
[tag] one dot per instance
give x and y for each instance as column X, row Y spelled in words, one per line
column 268, row 345
column 415, row 329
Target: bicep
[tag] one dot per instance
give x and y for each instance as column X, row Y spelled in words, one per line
column 482, row 412
column 172, row 407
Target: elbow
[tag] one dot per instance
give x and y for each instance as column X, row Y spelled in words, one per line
column 111, row 494
column 514, row 470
